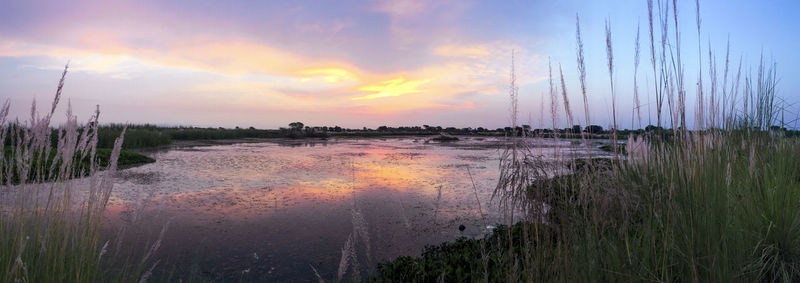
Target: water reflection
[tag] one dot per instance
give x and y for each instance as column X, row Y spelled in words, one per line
column 273, row 208
column 303, row 143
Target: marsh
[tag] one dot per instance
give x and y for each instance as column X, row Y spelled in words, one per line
column 270, row 209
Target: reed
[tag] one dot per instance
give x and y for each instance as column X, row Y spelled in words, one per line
column 709, row 204
column 55, row 187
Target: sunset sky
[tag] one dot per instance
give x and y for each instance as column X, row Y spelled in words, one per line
column 358, row 63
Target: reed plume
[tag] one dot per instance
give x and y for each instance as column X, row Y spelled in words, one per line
column 582, row 67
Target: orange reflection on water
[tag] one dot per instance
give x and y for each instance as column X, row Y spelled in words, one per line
column 243, row 180
column 397, row 177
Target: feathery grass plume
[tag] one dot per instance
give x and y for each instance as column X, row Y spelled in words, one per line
column 553, row 98
column 406, row 222
column 49, row 219
column 582, row 66
column 57, row 96
column 360, row 232
column 518, row 168
column 656, row 78
column 344, row 261
column 513, row 92
column 316, row 274
column 747, row 93
column 157, row 244
column 541, row 111
column 637, row 149
column 700, row 117
column 679, row 74
column 148, row 273
column 512, row 189
column 582, row 79
column 513, row 178
column 438, row 202
column 103, row 251
column 712, row 75
column 610, row 56
column 356, row 270
column 564, row 96
column 735, row 95
column 724, row 121
column 635, row 84
column 767, row 109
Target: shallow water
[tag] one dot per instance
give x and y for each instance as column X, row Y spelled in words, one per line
column 270, row 210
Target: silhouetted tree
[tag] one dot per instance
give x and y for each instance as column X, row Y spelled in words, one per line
column 594, row 129
column 297, row 126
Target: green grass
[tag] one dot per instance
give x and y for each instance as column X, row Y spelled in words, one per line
column 127, row 158
column 463, row 260
column 726, row 210
column 81, row 167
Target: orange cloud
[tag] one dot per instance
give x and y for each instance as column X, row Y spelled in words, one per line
column 256, row 75
column 391, row 88
column 331, row 75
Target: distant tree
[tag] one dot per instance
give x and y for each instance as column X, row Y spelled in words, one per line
column 576, row 129
column 297, row 126
column 383, row 128
column 594, row 129
column 251, row 128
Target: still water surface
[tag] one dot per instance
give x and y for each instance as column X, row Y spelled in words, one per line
column 269, row 210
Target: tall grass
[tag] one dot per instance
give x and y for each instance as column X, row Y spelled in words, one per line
column 50, row 219
column 721, row 204
column 716, row 203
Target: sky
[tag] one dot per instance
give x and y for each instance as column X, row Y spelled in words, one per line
column 366, row 63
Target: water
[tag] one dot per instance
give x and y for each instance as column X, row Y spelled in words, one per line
column 270, row 210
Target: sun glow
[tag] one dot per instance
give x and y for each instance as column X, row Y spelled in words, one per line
column 391, row 88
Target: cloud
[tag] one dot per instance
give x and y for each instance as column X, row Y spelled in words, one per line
column 391, row 88
column 330, row 75
column 454, row 50
column 401, row 8
column 407, row 72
